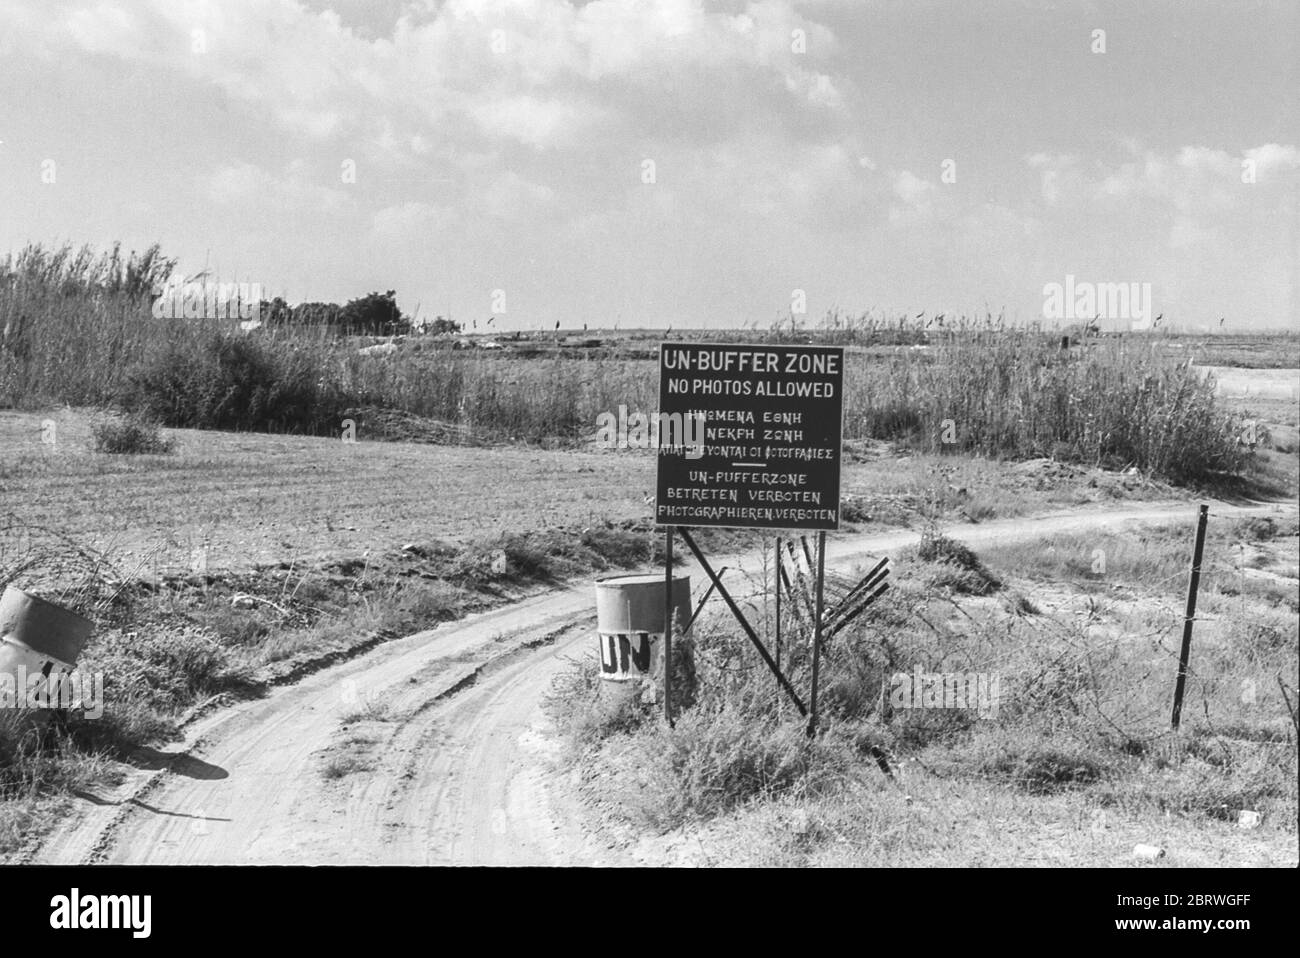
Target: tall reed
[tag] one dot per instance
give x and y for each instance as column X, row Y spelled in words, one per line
column 76, row 327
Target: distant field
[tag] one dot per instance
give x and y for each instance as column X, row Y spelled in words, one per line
column 1269, row 396
column 1266, row 351
column 1261, row 351
column 1236, row 383
column 257, row 498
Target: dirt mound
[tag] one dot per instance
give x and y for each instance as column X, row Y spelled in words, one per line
column 396, row 425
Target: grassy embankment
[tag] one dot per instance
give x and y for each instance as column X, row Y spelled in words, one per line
column 1075, row 765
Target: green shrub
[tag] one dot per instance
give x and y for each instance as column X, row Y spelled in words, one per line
column 130, row 434
column 169, row 670
column 222, row 379
column 1024, row 758
column 585, row 716
column 19, row 738
column 959, row 569
column 619, row 547
column 708, row 763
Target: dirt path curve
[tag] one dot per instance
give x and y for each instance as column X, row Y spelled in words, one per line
column 428, row 750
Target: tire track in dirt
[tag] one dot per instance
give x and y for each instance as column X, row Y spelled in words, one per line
column 246, row 785
column 457, row 770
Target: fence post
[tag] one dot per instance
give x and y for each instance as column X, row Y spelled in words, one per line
column 1190, row 615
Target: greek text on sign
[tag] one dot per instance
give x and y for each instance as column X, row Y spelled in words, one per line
column 772, row 436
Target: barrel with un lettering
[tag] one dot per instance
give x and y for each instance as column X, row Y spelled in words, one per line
column 39, row 642
column 630, row 623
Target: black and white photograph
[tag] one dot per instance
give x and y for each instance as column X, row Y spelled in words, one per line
column 469, row 437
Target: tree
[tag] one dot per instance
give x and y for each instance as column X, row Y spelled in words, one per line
column 374, row 315
column 277, row 312
column 442, row 326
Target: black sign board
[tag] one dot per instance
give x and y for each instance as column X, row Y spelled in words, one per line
column 749, row 436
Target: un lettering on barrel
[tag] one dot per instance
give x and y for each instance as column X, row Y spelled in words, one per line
column 629, row 655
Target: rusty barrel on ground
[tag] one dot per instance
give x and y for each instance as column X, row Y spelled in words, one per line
column 38, row 638
column 630, row 623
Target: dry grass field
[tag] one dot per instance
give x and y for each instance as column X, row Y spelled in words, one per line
column 252, row 499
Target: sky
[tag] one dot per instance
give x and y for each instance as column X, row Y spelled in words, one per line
column 667, row 162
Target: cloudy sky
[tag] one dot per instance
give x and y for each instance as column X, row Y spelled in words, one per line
column 647, row 163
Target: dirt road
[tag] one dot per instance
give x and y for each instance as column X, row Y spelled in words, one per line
column 432, row 749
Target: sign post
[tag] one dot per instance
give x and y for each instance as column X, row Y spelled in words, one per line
column 776, row 577
column 750, row 437
column 817, row 631
column 668, row 625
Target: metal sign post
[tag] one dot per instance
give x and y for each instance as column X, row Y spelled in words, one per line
column 668, row 625
column 1190, row 615
column 776, row 577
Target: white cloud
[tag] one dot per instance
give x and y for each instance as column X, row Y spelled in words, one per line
column 104, row 27
column 1197, row 189
column 533, row 71
column 244, row 183
column 1059, row 175
column 1184, row 220
column 506, row 125
column 406, row 222
column 531, row 120
column 510, row 196
column 1274, row 159
column 917, row 195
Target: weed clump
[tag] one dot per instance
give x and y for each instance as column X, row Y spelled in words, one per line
column 587, row 711
column 131, row 434
column 222, row 379
column 1258, row 528
column 151, row 678
column 960, row 569
column 1045, row 770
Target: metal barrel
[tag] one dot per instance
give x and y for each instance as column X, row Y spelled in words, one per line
column 630, row 622
column 37, row 636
